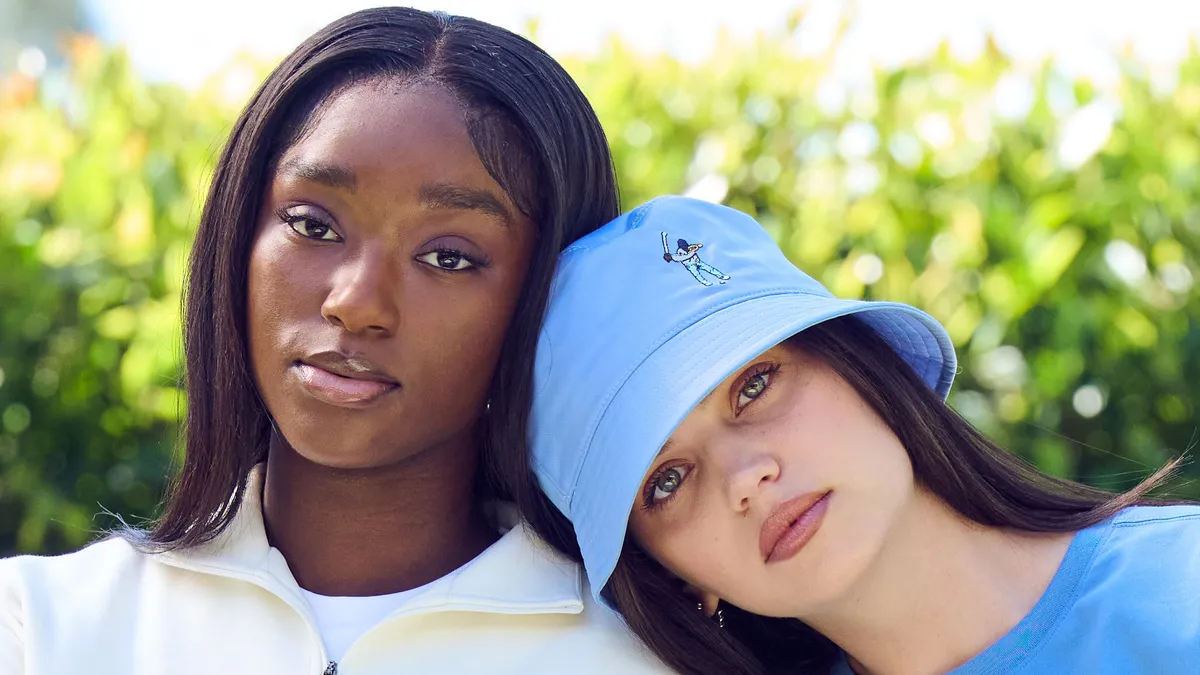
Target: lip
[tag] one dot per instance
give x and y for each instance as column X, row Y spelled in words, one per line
column 344, row 381
column 791, row 525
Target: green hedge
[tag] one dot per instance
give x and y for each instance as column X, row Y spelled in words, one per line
column 1052, row 227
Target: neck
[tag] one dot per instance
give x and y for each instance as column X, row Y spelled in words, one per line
column 941, row 591
column 374, row 531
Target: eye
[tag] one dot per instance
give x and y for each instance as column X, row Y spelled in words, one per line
column 309, row 227
column 663, row 484
column 448, row 259
column 754, row 385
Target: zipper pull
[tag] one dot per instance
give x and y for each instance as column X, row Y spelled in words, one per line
column 331, row 669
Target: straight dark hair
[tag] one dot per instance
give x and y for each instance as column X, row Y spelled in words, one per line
column 533, row 130
column 971, row 474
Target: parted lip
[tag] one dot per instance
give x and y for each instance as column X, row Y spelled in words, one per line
column 782, row 517
column 353, row 367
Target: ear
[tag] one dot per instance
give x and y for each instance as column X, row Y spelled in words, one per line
column 708, row 601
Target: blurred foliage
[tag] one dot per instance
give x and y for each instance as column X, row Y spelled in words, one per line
column 1052, row 225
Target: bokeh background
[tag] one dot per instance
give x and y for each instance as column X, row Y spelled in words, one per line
column 1028, row 172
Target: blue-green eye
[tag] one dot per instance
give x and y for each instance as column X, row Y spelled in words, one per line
column 752, row 389
column 752, row 385
column 667, row 482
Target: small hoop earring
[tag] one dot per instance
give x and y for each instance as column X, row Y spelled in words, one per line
column 718, row 617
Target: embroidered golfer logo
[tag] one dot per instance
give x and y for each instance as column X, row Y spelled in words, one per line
column 685, row 254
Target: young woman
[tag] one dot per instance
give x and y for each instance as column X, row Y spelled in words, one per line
column 365, row 287
column 764, row 478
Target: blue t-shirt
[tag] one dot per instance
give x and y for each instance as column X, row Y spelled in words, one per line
column 1124, row 601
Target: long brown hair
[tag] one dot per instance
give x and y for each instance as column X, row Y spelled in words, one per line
column 972, row 475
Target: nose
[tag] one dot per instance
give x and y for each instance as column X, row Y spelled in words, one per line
column 748, row 471
column 363, row 296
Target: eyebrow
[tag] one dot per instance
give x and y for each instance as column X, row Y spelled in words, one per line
column 331, row 175
column 443, row 196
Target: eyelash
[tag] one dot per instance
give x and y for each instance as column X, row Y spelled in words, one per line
column 764, row 370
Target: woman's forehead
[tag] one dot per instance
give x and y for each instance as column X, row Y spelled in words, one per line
column 410, row 141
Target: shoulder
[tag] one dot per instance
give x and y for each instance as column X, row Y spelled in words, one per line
column 1147, row 563
column 39, row 591
column 1156, row 535
column 1175, row 516
column 594, row 641
column 615, row 645
column 1135, row 608
column 88, row 564
column 1150, row 538
column 527, row 593
column 1154, row 545
column 70, row 583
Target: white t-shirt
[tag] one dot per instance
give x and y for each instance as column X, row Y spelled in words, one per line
column 341, row 620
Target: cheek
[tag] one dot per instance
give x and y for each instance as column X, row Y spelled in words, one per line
column 836, row 438
column 276, row 293
column 703, row 553
column 884, row 484
column 464, row 333
column 264, row 306
column 458, row 333
column 462, row 322
column 856, row 455
column 869, row 453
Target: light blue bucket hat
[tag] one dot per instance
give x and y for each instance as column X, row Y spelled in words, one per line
column 648, row 315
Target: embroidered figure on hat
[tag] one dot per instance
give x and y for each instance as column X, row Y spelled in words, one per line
column 686, row 254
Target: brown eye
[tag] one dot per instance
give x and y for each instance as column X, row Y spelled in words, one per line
column 312, row 229
column 451, row 261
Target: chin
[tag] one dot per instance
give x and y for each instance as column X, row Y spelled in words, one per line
column 341, row 462
column 343, row 451
column 337, row 458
